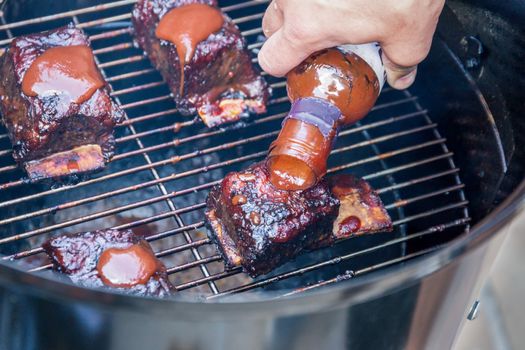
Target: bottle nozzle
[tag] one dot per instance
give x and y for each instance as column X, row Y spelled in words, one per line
column 298, row 156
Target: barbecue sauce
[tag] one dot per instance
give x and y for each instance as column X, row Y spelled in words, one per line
column 186, row 26
column 127, row 267
column 63, row 70
column 349, row 225
column 330, row 89
column 298, row 158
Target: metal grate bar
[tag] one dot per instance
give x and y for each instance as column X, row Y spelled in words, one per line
column 200, row 152
column 97, row 9
column 8, row 168
column 153, row 237
column 391, row 206
column 130, row 75
column 175, row 128
column 396, row 261
column 105, row 20
column 113, row 48
column 313, row 267
column 110, row 34
column 403, row 202
column 190, row 245
column 339, row 278
column 149, row 117
column 137, row 88
column 204, row 169
column 220, row 131
column 214, row 277
column 115, row 210
column 183, row 247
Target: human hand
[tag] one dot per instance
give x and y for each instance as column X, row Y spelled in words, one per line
column 297, row 28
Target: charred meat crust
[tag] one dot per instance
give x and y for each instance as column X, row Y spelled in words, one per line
column 77, row 255
column 41, row 126
column 219, row 75
column 286, row 223
column 261, row 227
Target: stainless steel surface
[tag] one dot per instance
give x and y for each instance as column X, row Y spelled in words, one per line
column 410, row 289
column 474, row 310
column 499, row 325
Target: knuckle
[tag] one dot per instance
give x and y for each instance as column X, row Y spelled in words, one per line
column 402, row 7
column 297, row 32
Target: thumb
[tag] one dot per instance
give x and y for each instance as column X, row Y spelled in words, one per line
column 279, row 54
column 399, row 77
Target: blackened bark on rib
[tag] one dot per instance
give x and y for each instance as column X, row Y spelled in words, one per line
column 220, row 69
column 260, row 227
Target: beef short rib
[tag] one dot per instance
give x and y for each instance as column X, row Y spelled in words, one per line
column 259, row 227
column 360, row 211
column 53, row 136
column 220, row 82
column 110, row 258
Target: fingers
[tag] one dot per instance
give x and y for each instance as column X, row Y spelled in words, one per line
column 403, row 52
column 273, row 19
column 401, row 59
column 399, row 77
column 280, row 54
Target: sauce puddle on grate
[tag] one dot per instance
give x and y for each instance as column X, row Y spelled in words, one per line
column 166, row 163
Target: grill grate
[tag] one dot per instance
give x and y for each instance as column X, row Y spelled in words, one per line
column 165, row 165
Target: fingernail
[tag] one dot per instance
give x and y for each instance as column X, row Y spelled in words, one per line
column 405, row 81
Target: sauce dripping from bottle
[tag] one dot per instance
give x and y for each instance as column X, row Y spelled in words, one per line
column 127, row 267
column 186, row 26
column 69, row 70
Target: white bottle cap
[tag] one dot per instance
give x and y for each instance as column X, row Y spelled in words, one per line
column 371, row 54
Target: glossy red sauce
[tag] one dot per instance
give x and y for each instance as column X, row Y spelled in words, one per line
column 290, row 174
column 127, row 267
column 186, row 26
column 298, row 156
column 344, row 79
column 349, row 225
column 72, row 165
column 67, row 70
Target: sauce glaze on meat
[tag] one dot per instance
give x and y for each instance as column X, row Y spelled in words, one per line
column 260, row 227
column 41, row 127
column 220, row 82
column 78, row 256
